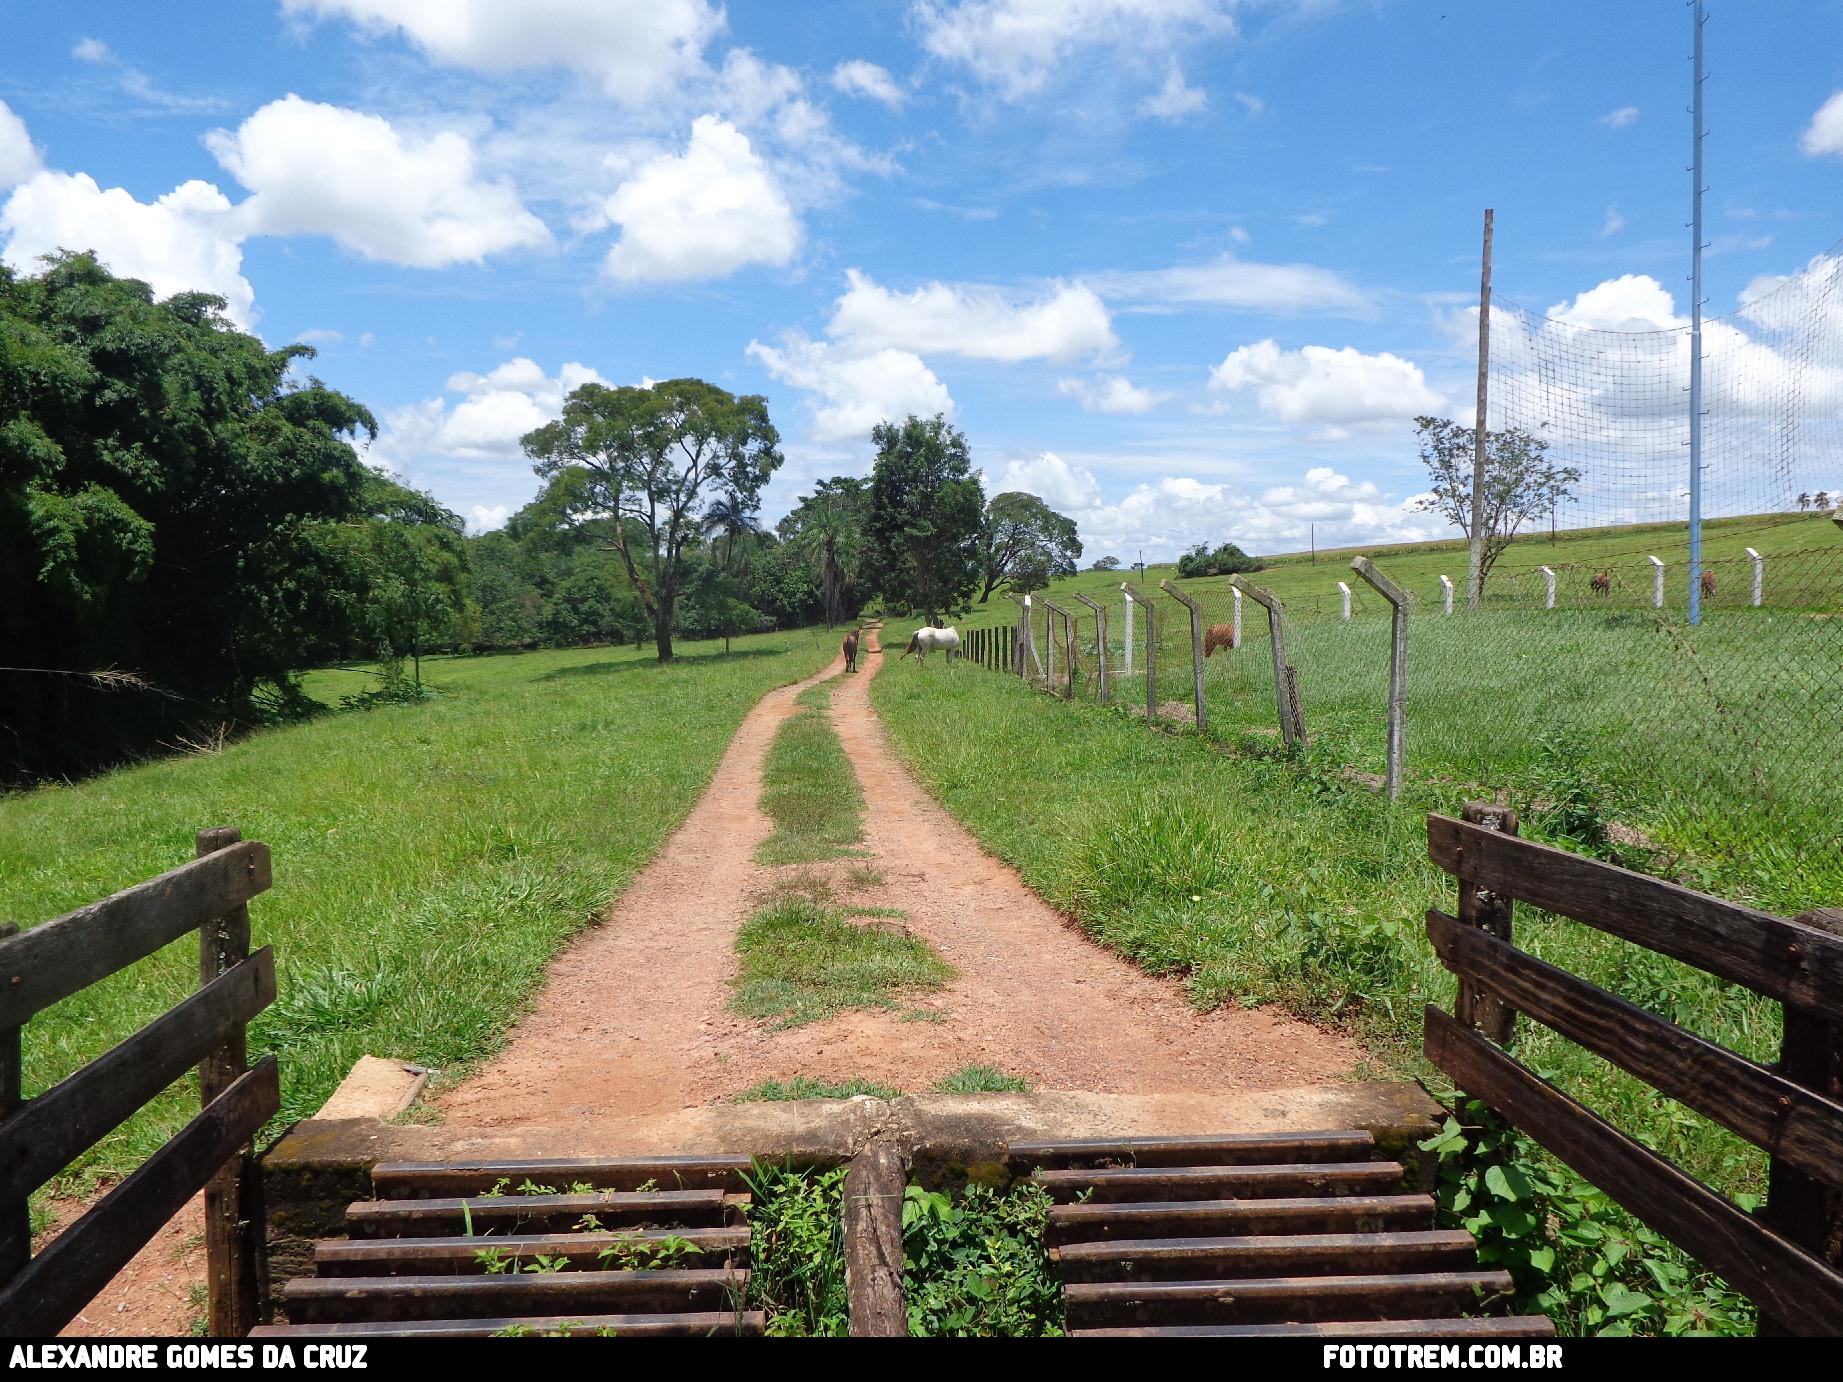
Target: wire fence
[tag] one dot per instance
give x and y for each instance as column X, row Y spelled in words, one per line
column 1572, row 680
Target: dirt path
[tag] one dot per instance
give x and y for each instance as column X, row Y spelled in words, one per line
column 632, row 1019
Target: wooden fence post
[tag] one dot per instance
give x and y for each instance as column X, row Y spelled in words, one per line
column 1489, row 911
column 1285, row 680
column 15, row 1214
column 1398, row 664
column 1196, row 650
column 1799, row 1206
column 874, row 1185
column 1151, row 652
column 235, row 1253
column 1100, row 642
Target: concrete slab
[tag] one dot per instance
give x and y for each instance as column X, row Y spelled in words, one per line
column 375, row 1088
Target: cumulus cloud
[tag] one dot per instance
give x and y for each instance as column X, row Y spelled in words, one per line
column 1016, row 46
column 1631, row 302
column 636, row 51
column 1110, row 393
column 1064, row 323
column 187, row 241
column 484, row 518
column 18, row 158
column 1232, row 283
column 854, row 389
column 860, row 78
column 1824, row 135
column 1317, row 384
column 1175, row 99
column 704, row 213
column 325, row 170
column 1063, row 487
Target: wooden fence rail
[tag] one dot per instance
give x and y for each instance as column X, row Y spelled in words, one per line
column 1786, row 1258
column 40, row 1294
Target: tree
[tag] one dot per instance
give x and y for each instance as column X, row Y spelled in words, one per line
column 656, row 460
column 1226, row 560
column 1521, row 482
column 827, row 530
column 412, row 557
column 925, row 515
column 1106, row 564
column 1023, row 535
column 1804, row 502
column 1821, row 501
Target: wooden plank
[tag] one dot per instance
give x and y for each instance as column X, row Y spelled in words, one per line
column 873, row 1242
column 1267, row 1255
column 85, row 1257
column 1224, row 1182
column 1458, row 1327
column 1787, row 960
column 51, row 1131
column 1260, row 1300
column 333, row 1300
column 700, row 1324
column 1794, row 1287
column 407, row 1180
column 1800, row 1126
column 1075, row 1223
column 47, row 963
column 1230, row 1149
column 534, row 1213
column 1804, row 1203
column 15, row 1210
column 1488, row 911
column 442, row 1256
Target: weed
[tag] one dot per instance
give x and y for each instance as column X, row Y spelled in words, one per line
column 809, row 791
column 802, row 963
column 981, row 1079
column 975, row 1263
column 797, row 1250
column 806, row 1087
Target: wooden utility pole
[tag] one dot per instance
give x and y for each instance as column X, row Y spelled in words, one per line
column 1475, row 561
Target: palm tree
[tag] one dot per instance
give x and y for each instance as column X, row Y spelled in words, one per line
column 1804, row 502
column 729, row 517
column 829, row 539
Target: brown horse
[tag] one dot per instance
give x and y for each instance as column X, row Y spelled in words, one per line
column 1218, row 636
column 1602, row 583
column 851, row 651
column 1708, row 584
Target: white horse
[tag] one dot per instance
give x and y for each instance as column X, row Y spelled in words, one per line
column 925, row 641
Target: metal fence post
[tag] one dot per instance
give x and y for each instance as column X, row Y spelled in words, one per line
column 1398, row 665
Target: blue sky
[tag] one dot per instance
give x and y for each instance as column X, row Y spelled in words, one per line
column 1185, row 267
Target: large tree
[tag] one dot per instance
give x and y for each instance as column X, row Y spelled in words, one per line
column 1521, row 482
column 1025, row 544
column 924, row 517
column 658, row 460
column 826, row 529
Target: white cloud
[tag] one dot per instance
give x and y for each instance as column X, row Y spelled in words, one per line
column 860, row 78
column 855, row 390
column 1051, row 479
column 1613, row 224
column 636, row 51
column 704, row 213
column 1110, row 393
column 1228, row 282
column 417, row 200
column 185, row 241
column 18, row 158
column 1175, row 99
column 1631, row 302
column 1619, row 119
column 1824, row 135
column 482, row 518
column 319, row 336
column 1065, row 323
column 1016, row 46
column 1317, row 384
column 1251, row 103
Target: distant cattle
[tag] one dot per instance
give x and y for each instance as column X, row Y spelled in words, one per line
column 925, row 641
column 1602, row 583
column 1218, row 636
column 1708, row 584
column 851, row 651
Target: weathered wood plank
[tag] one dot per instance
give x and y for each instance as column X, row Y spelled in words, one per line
column 701, row 1324
column 1224, row 1182
column 535, row 1213
column 873, row 1242
column 1492, row 912
column 51, row 1131
column 47, row 963
column 1267, row 1255
column 1769, row 1110
column 331, row 1300
column 1459, row 1327
column 1080, row 1223
column 1789, row 1284
column 81, row 1260
column 1787, row 960
column 1267, row 1300
column 1230, row 1149
column 15, row 1212
column 583, row 1251
column 407, row 1180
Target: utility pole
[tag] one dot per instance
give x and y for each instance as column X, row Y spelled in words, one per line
column 1314, row 528
column 1695, row 331
column 1475, row 560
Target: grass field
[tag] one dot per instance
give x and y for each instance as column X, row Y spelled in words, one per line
column 429, row 859
column 808, row 789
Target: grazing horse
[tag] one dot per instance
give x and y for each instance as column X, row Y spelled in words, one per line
column 1708, row 584
column 1218, row 636
column 1602, row 583
column 925, row 641
column 851, row 651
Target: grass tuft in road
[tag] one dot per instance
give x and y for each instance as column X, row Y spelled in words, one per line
column 802, row 963
column 808, row 788
column 806, row 1087
column 981, row 1079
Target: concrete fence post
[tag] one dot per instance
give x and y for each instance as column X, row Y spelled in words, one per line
column 1657, row 572
column 1548, row 575
column 1398, row 665
column 1446, row 595
column 1759, row 575
column 1285, row 681
column 1237, row 616
column 1343, row 592
column 1129, row 627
